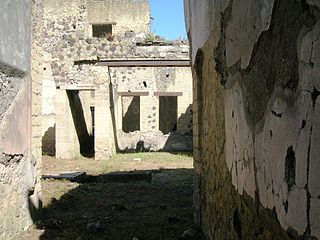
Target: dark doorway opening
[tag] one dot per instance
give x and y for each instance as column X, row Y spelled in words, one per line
column 130, row 113
column 92, row 119
column 49, row 142
column 86, row 140
column 168, row 114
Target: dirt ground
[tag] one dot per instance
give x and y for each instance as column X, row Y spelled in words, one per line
column 159, row 208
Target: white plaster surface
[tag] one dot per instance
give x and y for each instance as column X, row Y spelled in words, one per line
column 204, row 19
column 239, row 142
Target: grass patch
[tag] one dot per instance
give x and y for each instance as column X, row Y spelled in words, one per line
column 160, row 210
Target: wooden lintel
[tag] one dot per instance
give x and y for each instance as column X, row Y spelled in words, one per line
column 129, row 94
column 75, row 87
column 168, row 94
column 144, row 63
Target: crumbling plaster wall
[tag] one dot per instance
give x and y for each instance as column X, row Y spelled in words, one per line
column 19, row 170
column 256, row 114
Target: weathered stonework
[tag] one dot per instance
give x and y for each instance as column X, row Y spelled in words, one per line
column 19, row 170
column 127, row 14
column 36, row 91
column 9, row 86
column 256, row 83
column 76, row 61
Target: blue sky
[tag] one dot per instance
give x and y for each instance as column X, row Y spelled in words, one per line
column 168, row 18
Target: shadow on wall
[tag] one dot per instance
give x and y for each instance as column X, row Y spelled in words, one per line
column 49, row 142
column 151, row 204
column 168, row 112
column 86, row 141
column 113, row 116
column 131, row 119
column 182, row 141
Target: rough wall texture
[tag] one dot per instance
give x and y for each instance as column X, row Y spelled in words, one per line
column 256, row 79
column 152, row 80
column 18, row 169
column 36, row 90
column 71, row 55
column 124, row 14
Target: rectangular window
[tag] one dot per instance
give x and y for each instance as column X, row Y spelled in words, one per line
column 168, row 113
column 102, row 30
column 130, row 113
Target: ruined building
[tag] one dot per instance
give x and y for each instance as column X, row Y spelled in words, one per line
column 255, row 67
column 256, row 112
column 20, row 149
column 109, row 84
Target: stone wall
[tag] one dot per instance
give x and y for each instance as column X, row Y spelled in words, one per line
column 66, row 20
column 124, row 15
column 152, row 80
column 19, row 171
column 255, row 68
column 36, row 88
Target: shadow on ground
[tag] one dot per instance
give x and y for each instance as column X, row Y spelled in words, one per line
column 158, row 207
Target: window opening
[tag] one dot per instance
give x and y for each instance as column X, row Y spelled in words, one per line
column 102, row 31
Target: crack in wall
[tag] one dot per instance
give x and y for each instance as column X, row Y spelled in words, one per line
column 278, row 115
column 314, row 96
column 274, row 61
column 308, row 229
column 290, row 168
